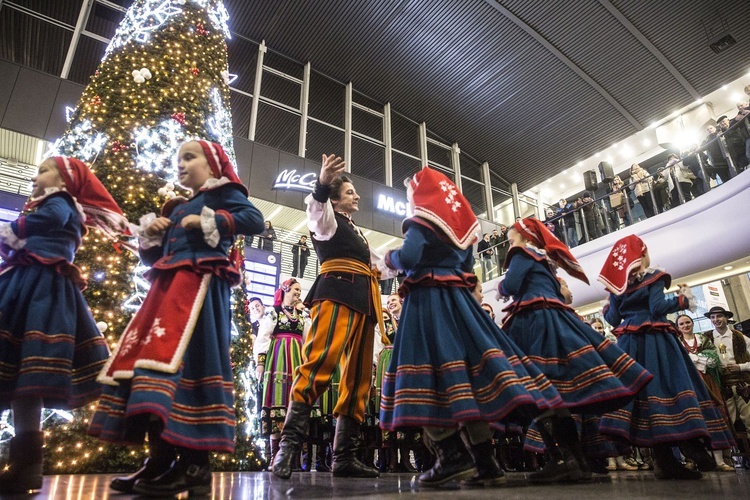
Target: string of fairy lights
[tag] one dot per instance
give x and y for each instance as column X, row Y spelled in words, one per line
column 163, row 79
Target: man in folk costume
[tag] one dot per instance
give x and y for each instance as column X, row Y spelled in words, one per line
column 170, row 376
column 345, row 305
column 735, row 364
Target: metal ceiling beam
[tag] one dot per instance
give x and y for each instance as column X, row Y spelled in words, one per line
column 565, row 60
column 651, row 47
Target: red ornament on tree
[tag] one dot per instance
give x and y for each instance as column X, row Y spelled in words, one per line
column 117, row 147
column 201, row 29
column 195, row 71
column 96, row 100
column 179, row 118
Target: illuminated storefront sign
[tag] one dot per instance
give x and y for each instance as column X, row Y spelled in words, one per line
column 388, row 204
column 292, row 181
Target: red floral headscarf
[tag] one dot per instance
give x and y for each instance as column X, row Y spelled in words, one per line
column 625, row 257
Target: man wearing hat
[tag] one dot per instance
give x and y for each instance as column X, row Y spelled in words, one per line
column 735, row 364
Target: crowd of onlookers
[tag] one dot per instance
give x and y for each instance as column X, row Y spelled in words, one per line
column 640, row 194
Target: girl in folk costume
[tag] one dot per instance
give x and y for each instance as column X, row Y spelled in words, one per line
column 452, row 366
column 278, row 353
column 50, row 347
column 591, row 373
column 675, row 409
column 170, row 376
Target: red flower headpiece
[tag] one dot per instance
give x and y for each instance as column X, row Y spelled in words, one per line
column 537, row 233
column 625, row 257
column 439, row 201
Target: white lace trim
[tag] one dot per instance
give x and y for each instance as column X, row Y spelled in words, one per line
column 213, row 182
column 144, row 240
column 8, row 237
column 208, row 225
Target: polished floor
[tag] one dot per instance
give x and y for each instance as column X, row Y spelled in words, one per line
column 261, row 485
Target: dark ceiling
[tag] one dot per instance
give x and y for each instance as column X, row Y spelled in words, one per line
column 530, row 86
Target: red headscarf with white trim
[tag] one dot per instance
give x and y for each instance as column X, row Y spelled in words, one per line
column 537, row 233
column 439, row 201
column 286, row 287
column 625, row 257
column 100, row 210
column 220, row 164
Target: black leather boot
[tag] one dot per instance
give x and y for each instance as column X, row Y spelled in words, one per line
column 489, row 473
column 562, row 465
column 404, row 465
column 24, row 469
column 321, row 462
column 566, row 434
column 695, row 451
column 345, row 443
column 294, row 434
column 190, row 472
column 453, row 462
column 666, row 465
column 161, row 456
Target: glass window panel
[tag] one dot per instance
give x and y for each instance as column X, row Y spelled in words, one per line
column 280, row 89
column 368, row 160
column 404, row 134
column 277, row 128
column 499, row 197
column 474, row 192
column 66, row 12
column 32, row 42
column 403, row 167
column 367, row 124
column 322, row 139
column 327, row 99
column 283, row 64
column 123, row 3
column 241, row 105
column 444, row 170
column 440, row 156
column 104, row 20
column 471, row 169
column 366, row 101
column 88, row 55
column 243, row 57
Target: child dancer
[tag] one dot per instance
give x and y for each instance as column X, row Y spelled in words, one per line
column 170, row 375
column 592, row 374
column 279, row 353
column 675, row 409
column 50, row 348
column 452, row 367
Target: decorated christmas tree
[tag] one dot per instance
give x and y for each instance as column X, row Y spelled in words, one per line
column 163, row 79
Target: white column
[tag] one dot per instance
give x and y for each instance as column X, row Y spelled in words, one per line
column 304, row 100
column 388, row 144
column 262, row 49
column 348, row 127
column 83, row 17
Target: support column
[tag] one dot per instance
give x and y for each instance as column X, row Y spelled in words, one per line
column 262, row 49
column 304, row 100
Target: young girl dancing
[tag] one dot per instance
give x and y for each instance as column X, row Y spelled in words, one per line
column 452, row 367
column 50, row 347
column 675, row 409
column 591, row 373
column 171, row 375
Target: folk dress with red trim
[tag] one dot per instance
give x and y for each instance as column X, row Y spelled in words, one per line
column 450, row 362
column 50, row 346
column 183, row 373
column 591, row 373
column 676, row 405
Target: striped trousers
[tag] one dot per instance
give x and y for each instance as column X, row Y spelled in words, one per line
column 338, row 336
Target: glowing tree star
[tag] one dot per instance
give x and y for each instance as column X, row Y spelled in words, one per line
column 164, row 79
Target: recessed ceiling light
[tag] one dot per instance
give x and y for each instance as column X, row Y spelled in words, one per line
column 646, row 142
column 562, row 186
column 724, row 87
column 699, row 101
column 597, row 155
column 728, row 268
column 615, row 145
column 579, row 163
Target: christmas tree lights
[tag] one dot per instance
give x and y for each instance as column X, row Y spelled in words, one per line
column 163, row 80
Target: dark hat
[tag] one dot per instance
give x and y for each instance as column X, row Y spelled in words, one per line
column 586, row 194
column 719, row 310
column 722, row 117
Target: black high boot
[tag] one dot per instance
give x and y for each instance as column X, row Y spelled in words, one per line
column 562, row 465
column 292, row 436
column 489, row 473
column 566, row 434
column 191, row 472
column 666, row 465
column 695, row 451
column 453, row 462
column 404, row 465
column 161, row 455
column 345, row 441
column 24, row 469
column 321, row 462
